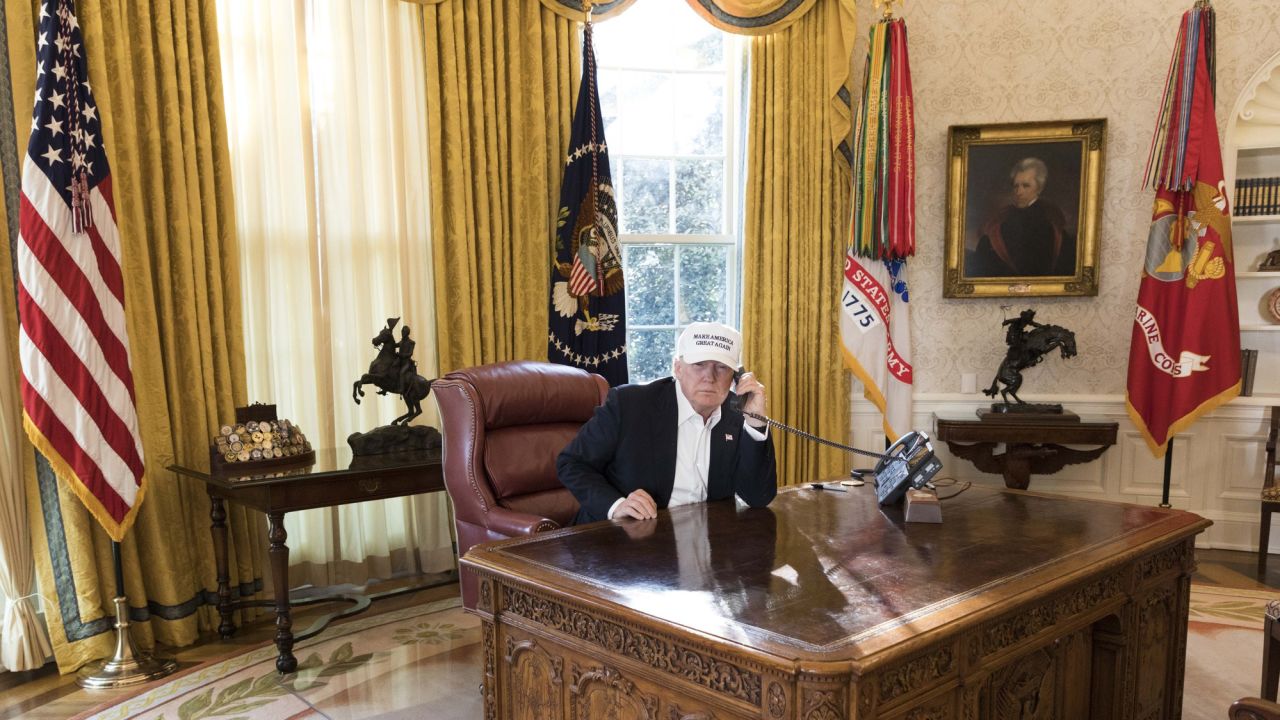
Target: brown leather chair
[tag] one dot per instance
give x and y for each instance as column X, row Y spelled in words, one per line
column 503, row 426
column 1254, row 709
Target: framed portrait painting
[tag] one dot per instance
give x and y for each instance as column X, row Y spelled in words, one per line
column 1023, row 206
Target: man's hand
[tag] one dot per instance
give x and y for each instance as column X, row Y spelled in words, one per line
column 640, row 529
column 757, row 402
column 638, row 505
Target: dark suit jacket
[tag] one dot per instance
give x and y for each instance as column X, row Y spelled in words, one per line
column 630, row 444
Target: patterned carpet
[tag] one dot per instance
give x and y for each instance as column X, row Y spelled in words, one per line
column 425, row 662
column 1224, row 649
column 391, row 665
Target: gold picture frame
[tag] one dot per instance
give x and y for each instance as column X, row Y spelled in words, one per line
column 1024, row 201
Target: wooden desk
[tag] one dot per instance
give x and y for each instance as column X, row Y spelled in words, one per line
column 1029, row 447
column 335, row 479
column 823, row 607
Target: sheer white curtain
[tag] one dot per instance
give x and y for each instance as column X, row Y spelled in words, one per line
column 325, row 108
column 23, row 643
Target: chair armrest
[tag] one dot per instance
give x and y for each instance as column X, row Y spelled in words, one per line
column 1252, row 708
column 515, row 524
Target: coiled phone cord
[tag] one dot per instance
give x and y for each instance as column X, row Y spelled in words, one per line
column 822, row 441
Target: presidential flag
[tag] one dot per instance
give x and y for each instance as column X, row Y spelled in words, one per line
column 875, row 318
column 77, row 389
column 1184, row 356
column 588, row 318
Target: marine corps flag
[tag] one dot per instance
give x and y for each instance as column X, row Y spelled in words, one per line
column 1184, row 357
column 588, row 315
column 875, row 319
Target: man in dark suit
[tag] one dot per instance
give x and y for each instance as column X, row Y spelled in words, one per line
column 676, row 440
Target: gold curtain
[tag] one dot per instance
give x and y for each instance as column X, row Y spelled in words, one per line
column 156, row 79
column 501, row 75
column 796, row 225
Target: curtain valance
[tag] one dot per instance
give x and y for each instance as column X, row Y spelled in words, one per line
column 751, row 17
column 576, row 9
column 740, row 17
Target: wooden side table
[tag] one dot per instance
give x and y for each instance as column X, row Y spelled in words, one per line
column 334, row 479
column 1030, row 447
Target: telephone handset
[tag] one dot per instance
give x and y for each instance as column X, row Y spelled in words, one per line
column 737, row 402
column 908, row 463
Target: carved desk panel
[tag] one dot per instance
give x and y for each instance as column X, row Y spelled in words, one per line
column 825, row 606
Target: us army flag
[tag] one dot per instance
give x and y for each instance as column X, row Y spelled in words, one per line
column 875, row 318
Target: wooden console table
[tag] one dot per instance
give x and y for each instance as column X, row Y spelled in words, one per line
column 1030, row 447
column 825, row 605
column 335, row 479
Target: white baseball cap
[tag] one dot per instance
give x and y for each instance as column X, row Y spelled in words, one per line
column 710, row 341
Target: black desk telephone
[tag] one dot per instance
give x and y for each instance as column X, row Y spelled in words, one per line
column 908, row 463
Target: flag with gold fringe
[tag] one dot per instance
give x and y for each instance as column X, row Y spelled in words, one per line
column 1184, row 356
column 77, row 387
column 588, row 311
column 875, row 319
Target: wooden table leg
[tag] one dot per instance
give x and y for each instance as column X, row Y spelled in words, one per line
column 279, row 553
column 1017, row 466
column 218, row 513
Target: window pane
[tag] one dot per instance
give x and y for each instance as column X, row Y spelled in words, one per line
column 607, row 84
column 664, row 33
column 700, row 130
column 706, row 52
column 704, row 283
column 650, row 272
column 649, row 354
column 645, row 125
column 699, row 189
column 646, row 201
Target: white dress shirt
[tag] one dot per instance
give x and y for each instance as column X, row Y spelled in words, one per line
column 693, row 452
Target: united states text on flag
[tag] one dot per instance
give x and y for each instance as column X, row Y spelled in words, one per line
column 875, row 318
column 77, row 388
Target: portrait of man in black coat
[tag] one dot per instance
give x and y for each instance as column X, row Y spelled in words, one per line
column 1027, row 237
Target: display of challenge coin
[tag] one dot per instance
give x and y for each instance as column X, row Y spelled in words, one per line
column 257, row 439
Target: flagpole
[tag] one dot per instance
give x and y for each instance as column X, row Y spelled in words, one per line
column 1168, row 471
column 127, row 666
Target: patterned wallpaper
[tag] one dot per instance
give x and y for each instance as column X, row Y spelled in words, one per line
column 997, row 61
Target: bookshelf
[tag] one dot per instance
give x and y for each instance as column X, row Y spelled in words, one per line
column 1252, row 151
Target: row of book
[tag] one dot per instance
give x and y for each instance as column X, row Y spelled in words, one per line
column 1257, row 196
column 1248, row 365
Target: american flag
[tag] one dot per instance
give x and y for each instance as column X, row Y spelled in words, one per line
column 581, row 281
column 77, row 389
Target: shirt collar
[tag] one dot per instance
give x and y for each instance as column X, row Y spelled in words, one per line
column 684, row 409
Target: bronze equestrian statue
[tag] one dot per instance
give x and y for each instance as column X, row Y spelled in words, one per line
column 395, row 371
column 1026, row 349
